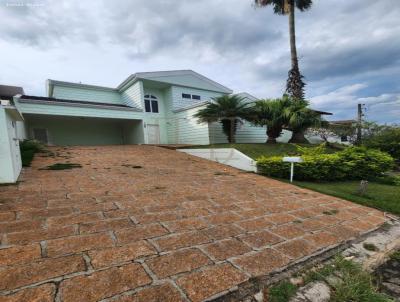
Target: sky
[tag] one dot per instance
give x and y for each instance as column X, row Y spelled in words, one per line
column 349, row 51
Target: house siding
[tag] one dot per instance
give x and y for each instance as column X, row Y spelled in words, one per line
column 133, row 96
column 246, row 133
column 180, row 103
column 87, row 94
column 183, row 128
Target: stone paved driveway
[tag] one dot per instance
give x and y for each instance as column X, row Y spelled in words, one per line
column 142, row 223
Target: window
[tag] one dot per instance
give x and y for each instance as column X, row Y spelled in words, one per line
column 191, row 96
column 150, row 103
column 343, row 138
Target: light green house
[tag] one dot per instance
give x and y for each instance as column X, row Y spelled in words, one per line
column 146, row 108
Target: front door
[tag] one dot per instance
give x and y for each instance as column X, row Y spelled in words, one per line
column 153, row 134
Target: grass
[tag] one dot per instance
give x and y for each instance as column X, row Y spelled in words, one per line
column 256, row 150
column 351, row 283
column 282, row 292
column 380, row 196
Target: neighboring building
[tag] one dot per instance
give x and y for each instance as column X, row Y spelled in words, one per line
column 146, row 108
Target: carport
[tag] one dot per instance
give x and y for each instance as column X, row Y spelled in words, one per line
column 72, row 131
column 72, row 123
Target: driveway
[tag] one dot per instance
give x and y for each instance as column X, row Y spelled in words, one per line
column 143, row 223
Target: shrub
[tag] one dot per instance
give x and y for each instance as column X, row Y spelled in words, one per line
column 28, row 149
column 387, row 140
column 351, row 163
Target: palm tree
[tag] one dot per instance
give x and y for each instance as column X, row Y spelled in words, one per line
column 299, row 118
column 271, row 113
column 229, row 110
column 295, row 84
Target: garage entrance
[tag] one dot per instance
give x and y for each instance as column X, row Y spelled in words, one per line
column 83, row 131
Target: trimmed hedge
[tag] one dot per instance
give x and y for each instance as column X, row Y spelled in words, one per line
column 351, row 163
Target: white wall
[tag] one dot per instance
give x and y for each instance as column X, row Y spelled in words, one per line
column 183, row 128
column 246, row 133
column 10, row 158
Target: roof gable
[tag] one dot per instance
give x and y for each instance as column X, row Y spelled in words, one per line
column 187, row 78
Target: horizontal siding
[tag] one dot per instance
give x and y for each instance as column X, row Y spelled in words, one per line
column 183, row 128
column 133, row 96
column 85, row 94
column 43, row 109
column 179, row 103
column 246, row 133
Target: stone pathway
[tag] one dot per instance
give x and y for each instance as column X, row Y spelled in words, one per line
column 142, row 223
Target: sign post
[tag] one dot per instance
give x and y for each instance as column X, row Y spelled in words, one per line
column 292, row 160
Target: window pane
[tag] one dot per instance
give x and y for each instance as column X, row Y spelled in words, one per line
column 195, row 97
column 154, row 106
column 153, row 97
column 186, row 96
column 147, row 105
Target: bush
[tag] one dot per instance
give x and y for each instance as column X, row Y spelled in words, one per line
column 28, row 149
column 351, row 163
column 387, row 140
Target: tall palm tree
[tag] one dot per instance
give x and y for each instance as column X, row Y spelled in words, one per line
column 271, row 113
column 299, row 118
column 229, row 110
column 295, row 84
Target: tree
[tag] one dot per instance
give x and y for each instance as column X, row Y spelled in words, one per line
column 300, row 118
column 229, row 110
column 271, row 113
column 295, row 84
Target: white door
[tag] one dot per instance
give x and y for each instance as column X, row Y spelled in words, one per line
column 153, row 134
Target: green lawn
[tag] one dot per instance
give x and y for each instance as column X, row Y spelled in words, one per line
column 256, row 150
column 380, row 196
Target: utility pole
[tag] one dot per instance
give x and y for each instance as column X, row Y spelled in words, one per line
column 359, row 123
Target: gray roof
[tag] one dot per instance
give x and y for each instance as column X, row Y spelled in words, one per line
column 7, row 92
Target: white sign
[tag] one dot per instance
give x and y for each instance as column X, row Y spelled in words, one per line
column 292, row 160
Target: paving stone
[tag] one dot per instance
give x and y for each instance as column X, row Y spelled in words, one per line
column 19, row 254
column 186, row 224
column 140, row 232
column 255, row 224
column 42, row 293
column 281, row 218
column 106, row 210
column 20, row 226
column 116, row 255
column 322, row 239
column 211, row 281
column 296, row 249
column 16, row 276
column 261, row 263
column 225, row 249
column 7, row 216
column 103, row 284
column 173, row 242
column 261, row 239
column 178, row 262
column 74, row 244
column 105, row 225
column 288, row 231
column 159, row 293
column 39, row 235
column 74, row 219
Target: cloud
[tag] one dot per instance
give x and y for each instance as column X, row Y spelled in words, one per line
column 343, row 103
column 341, row 43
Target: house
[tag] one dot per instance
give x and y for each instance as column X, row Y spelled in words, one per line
column 146, row 108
